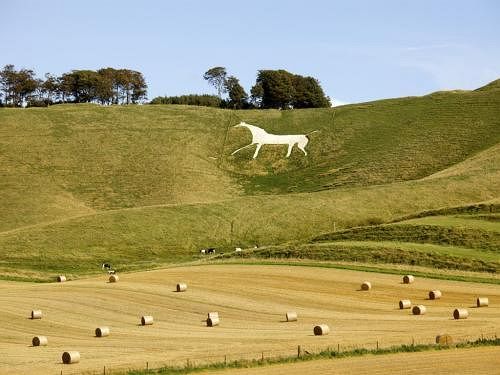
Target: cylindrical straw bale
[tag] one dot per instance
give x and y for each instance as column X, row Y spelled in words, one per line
column 291, row 316
column 460, row 313
column 404, row 304
column 182, row 287
column 435, row 294
column 61, row 278
column 213, row 314
column 102, row 331
column 444, row 340
column 418, row 310
column 71, row 357
column 482, row 301
column 147, row 320
column 39, row 341
column 321, row 330
column 408, row 279
column 113, row 278
column 366, row 285
column 36, row 314
column 212, row 322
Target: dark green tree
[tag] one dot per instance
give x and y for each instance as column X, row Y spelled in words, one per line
column 18, row 86
column 217, row 77
column 308, row 93
column 277, row 88
column 7, row 83
column 281, row 89
column 256, row 94
column 49, row 88
column 237, row 95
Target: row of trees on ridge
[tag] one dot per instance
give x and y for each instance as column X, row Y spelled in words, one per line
column 273, row 89
column 104, row 86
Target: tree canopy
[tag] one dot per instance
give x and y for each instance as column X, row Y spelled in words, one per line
column 217, row 77
column 105, row 86
column 282, row 89
column 238, row 98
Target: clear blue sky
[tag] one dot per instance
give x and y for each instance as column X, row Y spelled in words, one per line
column 359, row 50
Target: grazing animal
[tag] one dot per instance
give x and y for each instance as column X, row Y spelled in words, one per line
column 108, row 268
column 237, row 250
column 210, row 250
column 260, row 137
column 203, row 251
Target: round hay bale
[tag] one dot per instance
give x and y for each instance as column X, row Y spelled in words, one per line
column 460, row 313
column 213, row 314
column 182, row 287
column 321, row 330
column 482, row 301
column 408, row 279
column 418, row 310
column 61, row 278
column 404, row 304
column 71, row 357
column 147, row 320
column 212, row 322
column 366, row 285
column 444, row 340
column 39, row 341
column 435, row 294
column 36, row 314
column 113, row 278
column 102, row 331
column 291, row 316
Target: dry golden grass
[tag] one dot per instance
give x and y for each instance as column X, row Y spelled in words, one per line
column 463, row 361
column 251, row 301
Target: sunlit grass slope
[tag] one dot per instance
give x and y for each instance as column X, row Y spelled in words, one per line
column 147, row 185
column 76, row 159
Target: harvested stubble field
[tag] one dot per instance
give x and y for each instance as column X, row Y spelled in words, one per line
column 461, row 361
column 252, row 302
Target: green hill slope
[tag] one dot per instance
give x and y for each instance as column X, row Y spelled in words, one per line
column 372, row 143
column 148, row 185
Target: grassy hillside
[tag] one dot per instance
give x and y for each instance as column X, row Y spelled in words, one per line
column 147, row 185
column 77, row 159
column 372, row 143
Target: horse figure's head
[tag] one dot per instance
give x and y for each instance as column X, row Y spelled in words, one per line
column 241, row 124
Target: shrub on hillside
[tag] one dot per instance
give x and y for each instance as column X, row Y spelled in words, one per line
column 193, row 99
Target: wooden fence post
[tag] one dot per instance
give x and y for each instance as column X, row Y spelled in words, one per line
column 298, row 351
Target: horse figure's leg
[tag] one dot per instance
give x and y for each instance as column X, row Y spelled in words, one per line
column 290, row 146
column 241, row 148
column 259, row 145
column 302, row 145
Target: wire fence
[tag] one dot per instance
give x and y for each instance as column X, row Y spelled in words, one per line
column 266, row 355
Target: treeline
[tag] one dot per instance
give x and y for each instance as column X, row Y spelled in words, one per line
column 272, row 89
column 104, row 86
column 192, row 99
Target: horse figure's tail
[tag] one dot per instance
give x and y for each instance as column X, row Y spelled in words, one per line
column 314, row 131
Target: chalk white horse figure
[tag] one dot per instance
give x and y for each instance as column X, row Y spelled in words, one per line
column 261, row 137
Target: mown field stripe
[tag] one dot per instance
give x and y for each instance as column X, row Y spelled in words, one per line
column 328, row 353
column 362, row 268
